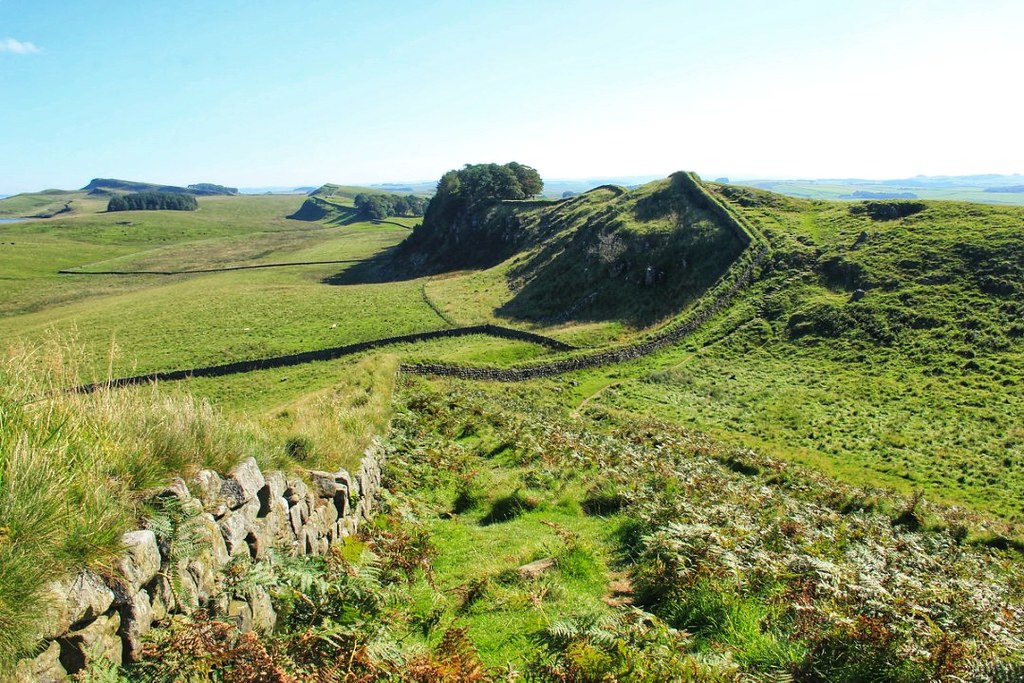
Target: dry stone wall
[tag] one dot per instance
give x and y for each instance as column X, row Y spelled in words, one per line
column 106, row 612
column 331, row 354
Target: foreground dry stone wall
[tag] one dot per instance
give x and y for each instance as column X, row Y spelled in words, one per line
column 105, row 613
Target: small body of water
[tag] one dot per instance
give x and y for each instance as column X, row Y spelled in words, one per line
column 11, row 220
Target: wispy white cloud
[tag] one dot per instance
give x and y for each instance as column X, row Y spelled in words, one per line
column 18, row 47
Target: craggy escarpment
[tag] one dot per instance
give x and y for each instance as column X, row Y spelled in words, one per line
column 177, row 563
column 636, row 256
column 737, row 276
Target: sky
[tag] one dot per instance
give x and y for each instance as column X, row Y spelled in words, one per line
column 301, row 92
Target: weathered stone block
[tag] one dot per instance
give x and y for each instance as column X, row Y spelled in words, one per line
column 207, row 485
column 295, row 517
column 161, row 597
column 177, row 489
column 137, row 565
column 98, row 640
column 207, row 578
column 240, row 613
column 297, row 491
column 82, row 597
column 242, row 485
column 136, row 619
column 212, row 541
column 45, row 668
column 237, row 525
column 185, row 589
column 325, row 484
column 263, row 615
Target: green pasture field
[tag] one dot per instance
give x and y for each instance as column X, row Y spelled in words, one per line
column 916, row 386
column 134, row 324
column 879, row 344
column 838, row 190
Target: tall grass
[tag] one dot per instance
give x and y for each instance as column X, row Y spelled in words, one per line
column 75, row 470
column 332, row 428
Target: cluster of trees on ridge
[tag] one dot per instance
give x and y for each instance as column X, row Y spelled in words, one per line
column 459, row 226
column 153, row 201
column 464, row 190
column 482, row 182
column 378, row 206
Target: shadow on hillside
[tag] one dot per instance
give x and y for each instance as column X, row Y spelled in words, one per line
column 653, row 276
column 382, row 267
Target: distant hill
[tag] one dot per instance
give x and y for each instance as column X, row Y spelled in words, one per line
column 335, row 203
column 987, row 189
column 106, row 186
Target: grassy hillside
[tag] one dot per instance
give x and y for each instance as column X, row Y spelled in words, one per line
column 771, row 491
column 333, row 204
column 48, row 203
column 874, row 346
column 90, row 199
column 883, row 350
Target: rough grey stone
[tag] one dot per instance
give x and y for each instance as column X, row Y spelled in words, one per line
column 240, row 612
column 331, row 513
column 308, row 541
column 295, row 517
column 212, row 541
column 97, row 640
column 161, row 597
column 205, row 576
column 45, row 668
column 207, row 486
column 185, row 589
column 263, row 615
column 242, row 485
column 276, row 483
column 138, row 564
column 82, row 597
column 325, row 484
column 260, row 538
column 136, row 619
column 237, row 525
column 177, row 489
column 297, row 491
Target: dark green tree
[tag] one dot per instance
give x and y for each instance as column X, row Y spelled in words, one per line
column 153, row 201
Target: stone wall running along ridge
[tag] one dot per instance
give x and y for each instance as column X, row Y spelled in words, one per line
column 246, row 512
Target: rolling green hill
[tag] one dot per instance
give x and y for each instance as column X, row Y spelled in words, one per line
column 92, row 198
column 879, row 340
column 786, row 427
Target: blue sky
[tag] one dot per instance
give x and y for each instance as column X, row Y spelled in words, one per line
column 303, row 92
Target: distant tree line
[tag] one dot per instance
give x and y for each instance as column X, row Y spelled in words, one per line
column 153, row 201
column 379, row 206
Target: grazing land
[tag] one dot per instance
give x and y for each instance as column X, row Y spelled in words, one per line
column 821, row 481
column 987, row 189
